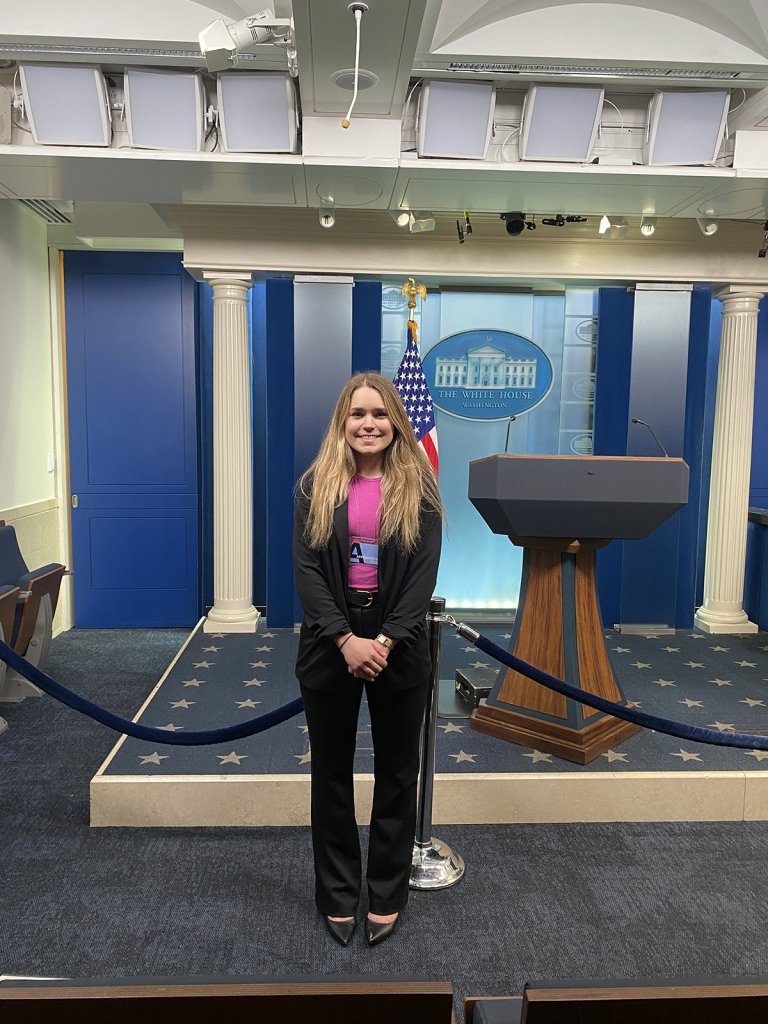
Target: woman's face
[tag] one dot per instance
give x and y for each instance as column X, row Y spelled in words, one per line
column 367, row 428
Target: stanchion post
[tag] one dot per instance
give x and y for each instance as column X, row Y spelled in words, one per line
column 434, row 864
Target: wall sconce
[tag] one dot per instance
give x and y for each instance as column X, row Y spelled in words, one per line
column 613, row 227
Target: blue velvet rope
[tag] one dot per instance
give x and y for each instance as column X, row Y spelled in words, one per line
column 684, row 732
column 146, row 732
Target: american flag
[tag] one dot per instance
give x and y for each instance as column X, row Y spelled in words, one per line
column 411, row 383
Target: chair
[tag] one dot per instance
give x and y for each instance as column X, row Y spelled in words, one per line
column 8, row 597
column 32, row 628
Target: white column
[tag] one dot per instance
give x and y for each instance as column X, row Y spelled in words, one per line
column 233, row 610
column 722, row 611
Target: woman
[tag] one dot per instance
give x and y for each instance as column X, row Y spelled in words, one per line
column 366, row 549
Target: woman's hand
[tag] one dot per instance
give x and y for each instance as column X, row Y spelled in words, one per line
column 365, row 658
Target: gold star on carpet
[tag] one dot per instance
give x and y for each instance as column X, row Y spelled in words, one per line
column 691, row 703
column 641, row 664
column 216, row 636
column 254, row 682
column 259, row 664
column 304, row 758
column 247, row 703
column 214, row 649
column 612, row 755
column 722, row 726
column 462, row 756
column 670, row 650
column 753, row 703
column 450, row 727
column 633, row 704
column 303, row 728
column 171, row 727
column 686, row 755
column 231, row 758
column 696, row 636
column 268, row 636
column 470, row 648
column 539, row 755
column 508, row 636
column 719, row 648
column 182, row 703
column 622, row 650
column 721, row 682
column 664, row 682
column 747, row 664
column 265, row 648
column 759, row 755
column 651, row 636
column 694, row 664
column 481, row 664
column 203, row 664
column 192, row 682
column 157, row 758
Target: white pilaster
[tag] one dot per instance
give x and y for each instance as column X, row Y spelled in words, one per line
column 722, row 611
column 233, row 610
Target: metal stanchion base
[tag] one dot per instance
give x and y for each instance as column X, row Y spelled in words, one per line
column 435, row 866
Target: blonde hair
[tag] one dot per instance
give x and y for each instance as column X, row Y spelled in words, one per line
column 408, row 483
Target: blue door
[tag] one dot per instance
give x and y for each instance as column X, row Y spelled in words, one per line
column 130, row 330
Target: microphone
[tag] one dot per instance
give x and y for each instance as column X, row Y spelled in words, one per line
column 653, row 435
column 512, row 418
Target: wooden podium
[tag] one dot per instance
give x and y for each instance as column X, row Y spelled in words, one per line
column 561, row 509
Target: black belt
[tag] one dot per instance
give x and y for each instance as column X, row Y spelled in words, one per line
column 362, row 598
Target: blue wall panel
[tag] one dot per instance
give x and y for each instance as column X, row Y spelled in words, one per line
column 132, row 405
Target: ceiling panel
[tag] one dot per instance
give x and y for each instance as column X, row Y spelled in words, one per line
column 108, row 176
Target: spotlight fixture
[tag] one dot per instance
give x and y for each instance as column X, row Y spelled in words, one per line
column 400, row 217
column 648, row 226
column 707, row 225
column 418, row 222
column 613, row 227
column 221, row 44
column 515, row 222
column 327, row 217
column 554, row 222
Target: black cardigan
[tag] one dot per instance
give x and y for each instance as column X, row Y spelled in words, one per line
column 406, row 584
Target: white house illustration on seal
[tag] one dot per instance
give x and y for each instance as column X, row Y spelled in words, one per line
column 485, row 367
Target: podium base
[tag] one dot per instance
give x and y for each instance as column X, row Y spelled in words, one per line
column 577, row 745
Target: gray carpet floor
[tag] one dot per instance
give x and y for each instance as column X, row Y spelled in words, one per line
column 538, row 901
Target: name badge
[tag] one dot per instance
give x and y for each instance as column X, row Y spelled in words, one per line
column 361, row 553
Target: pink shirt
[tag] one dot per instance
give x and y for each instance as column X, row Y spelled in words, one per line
column 363, row 520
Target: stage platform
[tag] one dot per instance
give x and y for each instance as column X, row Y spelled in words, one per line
column 217, row 680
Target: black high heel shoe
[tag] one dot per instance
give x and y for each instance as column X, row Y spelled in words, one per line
column 376, row 932
column 342, row 931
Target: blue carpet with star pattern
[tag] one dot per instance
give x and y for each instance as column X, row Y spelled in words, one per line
column 718, row 682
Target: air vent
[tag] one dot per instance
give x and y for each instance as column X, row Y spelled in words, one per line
column 592, row 70
column 51, row 213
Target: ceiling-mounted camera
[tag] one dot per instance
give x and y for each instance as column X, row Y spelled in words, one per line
column 515, row 222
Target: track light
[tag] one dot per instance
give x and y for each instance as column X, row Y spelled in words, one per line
column 648, row 226
column 515, row 222
column 613, row 227
column 400, row 217
column 327, row 217
column 707, row 225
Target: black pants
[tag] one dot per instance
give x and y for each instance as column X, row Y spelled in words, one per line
column 396, row 722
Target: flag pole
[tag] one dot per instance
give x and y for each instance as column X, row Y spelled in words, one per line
column 434, row 865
